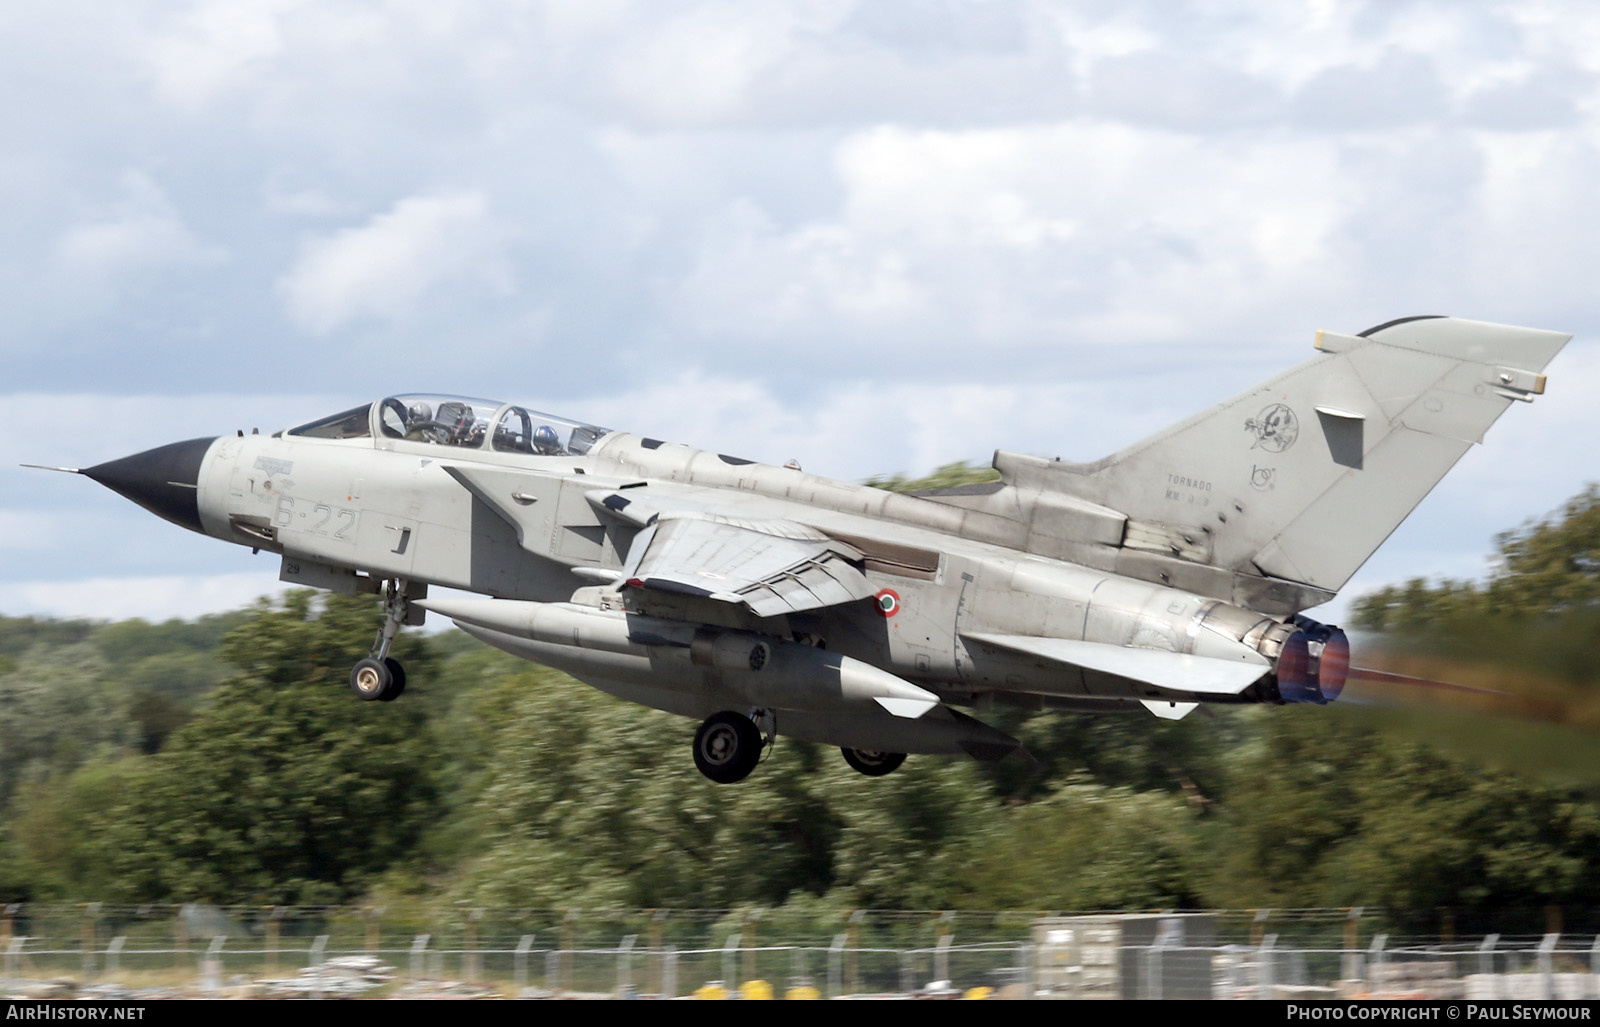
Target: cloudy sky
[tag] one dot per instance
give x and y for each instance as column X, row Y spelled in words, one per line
column 873, row 235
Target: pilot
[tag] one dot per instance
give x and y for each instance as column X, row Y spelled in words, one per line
column 418, row 412
column 546, row 441
column 462, row 432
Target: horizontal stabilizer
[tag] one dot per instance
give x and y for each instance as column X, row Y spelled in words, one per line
column 1179, row 672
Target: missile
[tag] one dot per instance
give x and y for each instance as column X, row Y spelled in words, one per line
column 758, row 669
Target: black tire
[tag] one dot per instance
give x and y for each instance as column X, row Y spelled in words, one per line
column 397, row 682
column 369, row 680
column 873, row 763
column 727, row 747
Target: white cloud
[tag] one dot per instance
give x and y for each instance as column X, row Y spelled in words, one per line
column 216, row 47
column 141, row 231
column 152, row 598
column 385, row 268
column 871, row 235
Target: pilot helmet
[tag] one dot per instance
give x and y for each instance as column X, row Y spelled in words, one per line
column 545, row 439
column 419, row 412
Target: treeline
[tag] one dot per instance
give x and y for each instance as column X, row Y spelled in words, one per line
column 498, row 783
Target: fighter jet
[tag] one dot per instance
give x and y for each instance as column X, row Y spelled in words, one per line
column 765, row 601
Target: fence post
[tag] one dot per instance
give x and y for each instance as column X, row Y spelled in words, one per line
column 1594, row 968
column 568, row 920
column 470, row 943
column 1265, row 968
column 944, row 933
column 374, row 917
column 854, row 961
column 625, row 966
column 552, row 970
column 835, row 966
column 1375, row 957
column 274, row 914
column 211, row 964
column 181, row 937
column 1486, row 964
column 669, row 972
column 750, row 945
column 1352, row 969
column 523, row 948
column 941, row 958
column 113, row 954
column 317, row 948
column 1547, row 949
column 658, row 978
column 419, row 957
column 728, row 949
column 1258, row 928
column 14, row 952
column 91, row 916
column 908, row 973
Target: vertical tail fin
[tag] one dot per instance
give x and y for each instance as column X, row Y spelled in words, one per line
column 1302, row 477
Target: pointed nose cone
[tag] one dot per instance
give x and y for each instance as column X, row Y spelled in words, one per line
column 164, row 480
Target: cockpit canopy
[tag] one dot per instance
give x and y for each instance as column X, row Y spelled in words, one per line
column 461, row 422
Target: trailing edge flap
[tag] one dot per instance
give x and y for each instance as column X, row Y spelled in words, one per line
column 1178, row 672
column 771, row 568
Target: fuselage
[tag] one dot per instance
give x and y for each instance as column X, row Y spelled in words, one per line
column 346, row 513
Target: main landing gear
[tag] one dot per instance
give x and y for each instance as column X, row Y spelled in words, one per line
column 729, row 745
column 873, row 763
column 380, row 677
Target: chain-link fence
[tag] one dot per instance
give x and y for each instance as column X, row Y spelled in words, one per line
column 369, row 952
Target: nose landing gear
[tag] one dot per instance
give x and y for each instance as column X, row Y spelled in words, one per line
column 380, row 677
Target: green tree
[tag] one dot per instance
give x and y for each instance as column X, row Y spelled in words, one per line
column 585, row 800
column 1553, row 564
column 285, row 788
column 1086, row 847
column 58, row 707
column 943, row 477
column 1548, row 566
column 1326, row 815
column 61, row 847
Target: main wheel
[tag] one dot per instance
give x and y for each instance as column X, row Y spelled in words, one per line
column 370, row 679
column 397, row 680
column 873, row 763
column 727, row 747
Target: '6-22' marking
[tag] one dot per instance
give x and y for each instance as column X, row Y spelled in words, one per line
column 334, row 522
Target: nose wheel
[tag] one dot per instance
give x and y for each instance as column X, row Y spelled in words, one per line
column 378, row 680
column 727, row 747
column 380, row 677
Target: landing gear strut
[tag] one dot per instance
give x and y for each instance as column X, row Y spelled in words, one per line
column 380, row 677
column 728, row 745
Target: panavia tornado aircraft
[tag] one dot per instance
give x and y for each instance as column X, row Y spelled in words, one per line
column 765, row 601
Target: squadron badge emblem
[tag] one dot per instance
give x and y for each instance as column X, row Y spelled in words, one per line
column 1275, row 428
